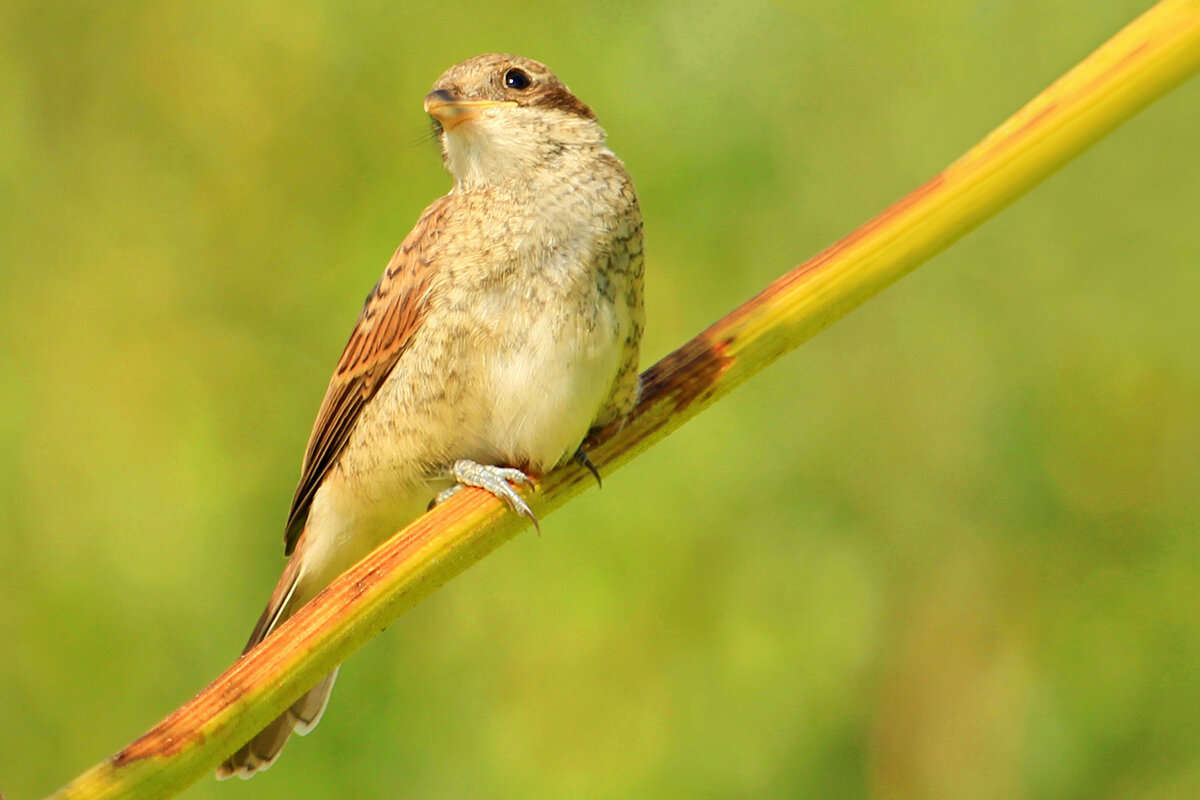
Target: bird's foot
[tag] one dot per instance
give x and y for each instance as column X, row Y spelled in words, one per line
column 494, row 480
column 581, row 458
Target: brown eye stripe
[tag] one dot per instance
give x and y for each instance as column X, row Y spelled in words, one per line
column 558, row 97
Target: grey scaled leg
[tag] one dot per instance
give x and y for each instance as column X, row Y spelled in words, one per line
column 494, row 480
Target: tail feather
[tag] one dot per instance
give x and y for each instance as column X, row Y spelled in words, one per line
column 308, row 710
column 260, row 752
column 303, row 715
column 283, row 603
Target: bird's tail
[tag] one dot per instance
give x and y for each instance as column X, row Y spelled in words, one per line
column 303, row 715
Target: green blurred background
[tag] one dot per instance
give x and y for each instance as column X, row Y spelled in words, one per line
column 949, row 549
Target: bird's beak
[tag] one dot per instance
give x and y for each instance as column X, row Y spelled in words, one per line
column 449, row 109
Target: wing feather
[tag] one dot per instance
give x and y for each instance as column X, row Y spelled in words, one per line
column 389, row 318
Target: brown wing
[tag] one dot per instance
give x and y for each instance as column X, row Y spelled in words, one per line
column 384, row 330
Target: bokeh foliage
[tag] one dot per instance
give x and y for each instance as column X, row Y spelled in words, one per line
column 949, row 549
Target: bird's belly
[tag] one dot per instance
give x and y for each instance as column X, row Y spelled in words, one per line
column 544, row 395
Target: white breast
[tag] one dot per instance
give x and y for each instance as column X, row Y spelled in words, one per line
column 545, row 395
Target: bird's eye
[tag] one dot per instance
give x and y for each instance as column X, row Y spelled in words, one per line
column 517, row 79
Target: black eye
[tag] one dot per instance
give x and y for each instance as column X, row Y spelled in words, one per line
column 517, row 79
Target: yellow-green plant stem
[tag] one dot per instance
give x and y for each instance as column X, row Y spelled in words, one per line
column 1149, row 57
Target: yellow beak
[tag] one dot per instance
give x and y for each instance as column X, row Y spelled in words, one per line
column 450, row 110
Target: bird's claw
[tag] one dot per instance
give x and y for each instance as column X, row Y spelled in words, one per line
column 494, row 480
column 581, row 458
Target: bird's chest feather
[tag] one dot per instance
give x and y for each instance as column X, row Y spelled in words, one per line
column 549, row 342
column 544, row 393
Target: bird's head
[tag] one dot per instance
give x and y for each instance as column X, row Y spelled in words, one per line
column 499, row 116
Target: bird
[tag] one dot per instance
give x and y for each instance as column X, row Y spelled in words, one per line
column 504, row 329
